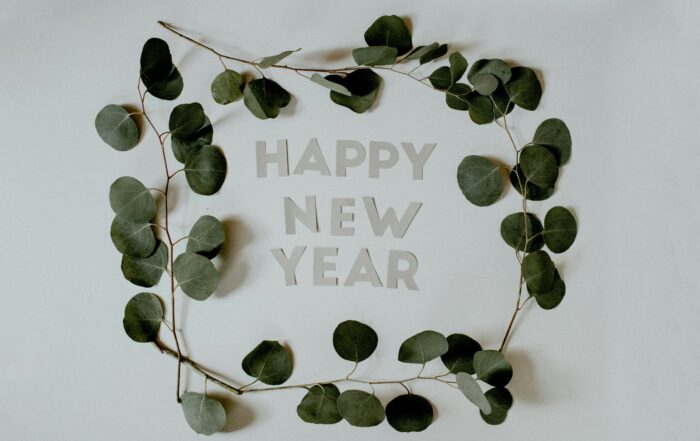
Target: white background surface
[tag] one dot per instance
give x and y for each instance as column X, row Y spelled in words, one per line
column 618, row 358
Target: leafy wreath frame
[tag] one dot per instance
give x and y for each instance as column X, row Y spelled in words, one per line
column 496, row 89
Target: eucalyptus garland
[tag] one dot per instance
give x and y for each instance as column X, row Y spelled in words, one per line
column 141, row 229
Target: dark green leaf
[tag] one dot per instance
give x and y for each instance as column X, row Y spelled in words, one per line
column 131, row 200
column 423, row 347
column 532, row 192
column 554, row 135
column 471, row 389
column 133, row 239
column 269, row 362
column 206, row 237
column 374, row 55
column 495, row 67
column 441, row 78
column 433, row 54
column 538, row 271
column 319, row 405
column 205, row 415
column 205, row 170
column 182, row 148
column 524, row 88
column 456, row 96
column 335, row 87
column 167, row 89
column 539, row 166
column 227, row 87
column 501, row 102
column 117, row 127
column 458, row 65
column 389, row 30
column 156, row 61
column 186, row 119
column 360, row 409
column 559, row 229
column 492, row 368
column 274, row 59
column 146, row 271
column 500, row 400
column 196, row 275
column 363, row 85
column 419, row 51
column 460, row 353
column 552, row 298
column 142, row 317
column 485, row 83
column 480, row 108
column 354, row 341
column 409, row 413
column 514, row 228
column 265, row 98
column 480, row 180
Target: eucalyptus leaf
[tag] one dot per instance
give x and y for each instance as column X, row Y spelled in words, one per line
column 131, row 200
column 374, row 55
column 227, row 87
column 554, row 135
column 134, row 239
column 480, row 180
column 460, row 353
column 495, row 67
column 471, row 389
column 419, row 51
column 456, row 96
column 335, row 87
column 433, row 54
column 274, row 59
column 480, row 108
column 485, row 83
column 205, row 170
column 363, row 85
column 423, row 347
column 117, row 127
column 146, row 271
column 492, row 368
column 156, row 61
column 389, row 30
column 458, row 65
column 559, row 229
column 186, row 119
column 168, row 89
column 206, row 237
column 196, row 275
column 354, row 341
column 552, row 298
column 532, row 192
column 517, row 228
column 524, row 88
column 269, row 362
column 501, row 401
column 319, row 405
column 205, row 415
column 142, row 317
column 183, row 147
column 539, row 166
column 360, row 409
column 409, row 413
column 265, row 98
column 441, row 78
column 538, row 271
column 502, row 104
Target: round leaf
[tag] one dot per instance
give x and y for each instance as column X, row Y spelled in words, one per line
column 497, row 68
column 423, row 347
column 167, row 89
column 360, row 409
column 501, row 401
column 206, row 237
column 186, row 119
column 319, row 405
column 559, row 229
column 227, row 87
column 196, row 275
column 374, row 55
column 134, row 239
column 117, row 127
column 389, row 30
column 205, row 415
column 131, row 200
column 441, row 78
column 156, row 61
column 480, row 180
column 492, row 368
column 269, row 363
column 264, row 98
column 554, row 135
column 460, row 353
column 524, row 88
column 501, row 102
column 205, row 170
column 354, row 341
column 552, row 298
column 514, row 228
column 538, row 271
column 456, row 96
column 485, row 83
column 458, row 65
column 183, row 147
column 480, row 108
column 471, row 389
column 146, row 271
column 539, row 166
column 409, row 413
column 142, row 317
column 532, row 192
column 363, row 85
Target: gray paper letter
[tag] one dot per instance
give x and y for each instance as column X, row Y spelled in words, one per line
column 363, row 271
column 312, row 159
column 398, row 228
column 375, row 162
column 308, row 216
column 264, row 158
column 321, row 265
column 342, row 161
column 394, row 273
column 289, row 265
column 338, row 216
column 418, row 160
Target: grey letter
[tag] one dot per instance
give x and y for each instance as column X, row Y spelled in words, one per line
column 342, row 161
column 394, row 273
column 264, row 158
column 363, row 271
column 321, row 266
column 289, row 265
column 375, row 148
column 312, row 159
column 338, row 216
column 398, row 228
column 418, row 160
column 307, row 216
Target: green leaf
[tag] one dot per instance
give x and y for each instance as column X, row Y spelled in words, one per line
column 492, row 368
column 156, row 61
column 389, row 30
column 480, row 180
column 186, row 119
column 265, row 98
column 524, row 88
column 441, row 78
column 360, row 409
column 501, row 401
column 146, row 271
column 196, row 275
column 142, row 317
column 559, row 229
column 131, row 200
column 335, row 87
column 205, row 170
column 319, row 405
column 269, row 362
column 460, row 353
column 539, row 166
column 501, row 102
column 274, row 59
column 206, row 237
column 227, row 87
column 480, row 108
column 485, row 83
column 363, row 85
column 471, row 389
column 538, row 271
column 409, row 413
column 514, row 228
column 554, row 135
column 497, row 68
column 552, row 298
column 134, row 239
column 117, row 127
column 458, row 65
column 419, row 51
column 423, row 347
column 183, row 147
column 532, row 192
column 433, row 54
column 167, row 89
column 456, row 96
column 354, row 341
column 374, row 55
column 205, row 415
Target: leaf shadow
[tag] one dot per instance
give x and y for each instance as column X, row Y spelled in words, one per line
column 233, row 269
column 238, row 414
